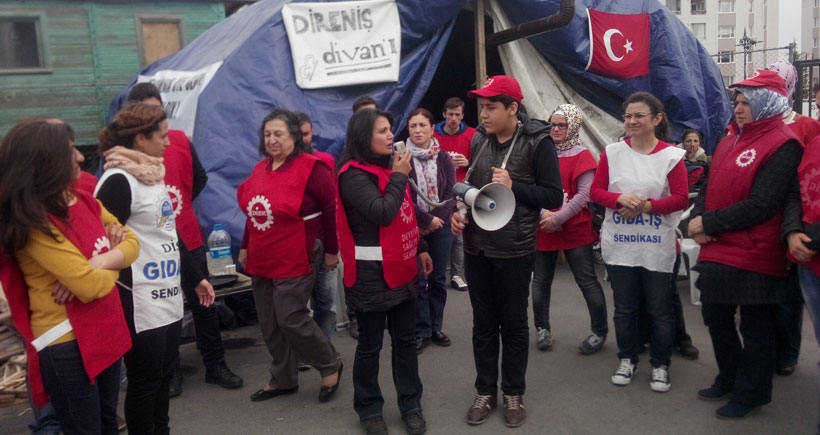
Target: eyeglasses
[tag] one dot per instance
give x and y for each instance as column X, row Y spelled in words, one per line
column 637, row 116
column 560, row 126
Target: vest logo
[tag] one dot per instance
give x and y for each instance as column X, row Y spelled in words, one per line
column 101, row 246
column 746, row 158
column 808, row 186
column 259, row 212
column 176, row 199
column 406, row 211
column 165, row 212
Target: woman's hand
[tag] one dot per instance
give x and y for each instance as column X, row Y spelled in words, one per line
column 331, row 261
column 115, row 233
column 242, row 257
column 502, row 176
column 632, row 202
column 426, row 263
column 797, row 247
column 205, row 291
column 436, row 224
column 547, row 225
column 457, row 222
column 61, row 294
column 695, row 230
column 460, row 161
column 401, row 163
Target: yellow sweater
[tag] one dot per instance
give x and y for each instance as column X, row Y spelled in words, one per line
column 45, row 262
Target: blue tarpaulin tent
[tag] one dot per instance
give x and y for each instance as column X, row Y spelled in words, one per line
column 256, row 76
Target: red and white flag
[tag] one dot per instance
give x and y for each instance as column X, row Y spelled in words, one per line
column 618, row 44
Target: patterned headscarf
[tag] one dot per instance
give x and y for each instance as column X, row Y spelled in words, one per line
column 788, row 72
column 574, row 121
column 763, row 102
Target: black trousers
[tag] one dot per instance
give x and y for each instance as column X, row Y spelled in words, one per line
column 745, row 368
column 206, row 320
column 499, row 294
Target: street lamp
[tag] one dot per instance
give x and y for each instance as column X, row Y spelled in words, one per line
column 747, row 43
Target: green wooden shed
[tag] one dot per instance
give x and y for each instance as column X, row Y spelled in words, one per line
column 67, row 59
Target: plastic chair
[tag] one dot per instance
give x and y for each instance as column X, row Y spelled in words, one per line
column 690, row 250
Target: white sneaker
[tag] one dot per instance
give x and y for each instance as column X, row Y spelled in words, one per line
column 623, row 375
column 458, row 283
column 660, row 379
column 543, row 339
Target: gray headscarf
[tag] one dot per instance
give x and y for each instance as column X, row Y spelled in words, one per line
column 763, row 102
column 574, row 120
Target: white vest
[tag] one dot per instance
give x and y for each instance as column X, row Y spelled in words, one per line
column 156, row 287
column 648, row 240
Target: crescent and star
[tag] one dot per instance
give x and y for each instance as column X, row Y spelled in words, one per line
column 608, row 44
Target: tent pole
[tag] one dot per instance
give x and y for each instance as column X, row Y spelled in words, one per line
column 480, row 45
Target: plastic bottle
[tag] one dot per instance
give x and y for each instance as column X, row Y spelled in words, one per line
column 219, row 251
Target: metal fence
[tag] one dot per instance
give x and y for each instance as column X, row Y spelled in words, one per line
column 738, row 65
column 808, row 76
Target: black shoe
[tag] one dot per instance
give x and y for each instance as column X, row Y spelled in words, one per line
column 221, row 375
column 375, row 426
column 414, row 423
column 440, row 339
column 263, row 394
column 353, row 329
column 785, row 370
column 714, row 393
column 175, row 388
column 734, row 410
column 326, row 393
column 688, row 351
column 421, row 343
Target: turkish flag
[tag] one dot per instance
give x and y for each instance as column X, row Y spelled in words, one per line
column 618, row 44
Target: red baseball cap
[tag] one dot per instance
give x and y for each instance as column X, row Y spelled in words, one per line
column 499, row 85
column 764, row 78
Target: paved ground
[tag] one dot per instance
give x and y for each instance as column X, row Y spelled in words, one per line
column 567, row 393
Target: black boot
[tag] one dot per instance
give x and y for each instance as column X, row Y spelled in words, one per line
column 221, row 375
column 176, row 381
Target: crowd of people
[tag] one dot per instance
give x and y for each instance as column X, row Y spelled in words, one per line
column 81, row 256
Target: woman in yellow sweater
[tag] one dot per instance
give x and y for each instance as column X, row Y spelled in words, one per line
column 69, row 250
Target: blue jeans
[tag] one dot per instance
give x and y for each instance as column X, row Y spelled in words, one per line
column 457, row 256
column 630, row 286
column 324, row 285
column 583, row 270
column 810, row 285
column 433, row 289
column 367, row 396
column 82, row 407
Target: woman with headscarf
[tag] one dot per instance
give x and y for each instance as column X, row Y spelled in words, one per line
column 737, row 221
column 434, row 173
column 569, row 229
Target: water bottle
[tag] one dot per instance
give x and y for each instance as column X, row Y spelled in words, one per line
column 219, row 251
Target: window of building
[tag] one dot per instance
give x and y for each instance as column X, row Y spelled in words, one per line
column 815, row 42
column 726, row 31
column 726, row 6
column 20, row 43
column 728, row 80
column 673, row 5
column 159, row 36
column 816, row 22
column 699, row 7
column 725, row 57
column 751, row 6
column 699, row 29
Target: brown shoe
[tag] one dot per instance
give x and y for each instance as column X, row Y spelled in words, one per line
column 482, row 405
column 514, row 412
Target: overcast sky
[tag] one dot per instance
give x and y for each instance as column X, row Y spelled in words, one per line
column 789, row 23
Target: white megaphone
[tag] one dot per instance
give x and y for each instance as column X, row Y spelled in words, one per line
column 493, row 205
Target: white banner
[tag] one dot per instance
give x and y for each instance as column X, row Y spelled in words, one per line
column 343, row 43
column 180, row 93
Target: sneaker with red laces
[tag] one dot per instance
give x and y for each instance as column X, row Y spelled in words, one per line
column 481, row 408
column 514, row 412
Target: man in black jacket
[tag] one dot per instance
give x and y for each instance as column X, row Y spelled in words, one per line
column 514, row 150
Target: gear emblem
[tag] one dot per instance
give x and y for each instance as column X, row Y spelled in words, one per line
column 101, row 246
column 176, row 199
column 259, row 212
column 406, row 212
column 746, row 158
column 808, row 186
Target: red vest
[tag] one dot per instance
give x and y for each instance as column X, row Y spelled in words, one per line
column 86, row 183
column 737, row 160
column 577, row 231
column 809, row 175
column 179, row 181
column 399, row 241
column 99, row 326
column 457, row 143
column 805, row 129
column 276, row 232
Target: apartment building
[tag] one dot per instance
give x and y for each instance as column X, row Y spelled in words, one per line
column 810, row 34
column 721, row 25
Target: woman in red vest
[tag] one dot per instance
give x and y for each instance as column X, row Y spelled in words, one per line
column 288, row 197
column 569, row 229
column 69, row 250
column 378, row 241
column 737, row 220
